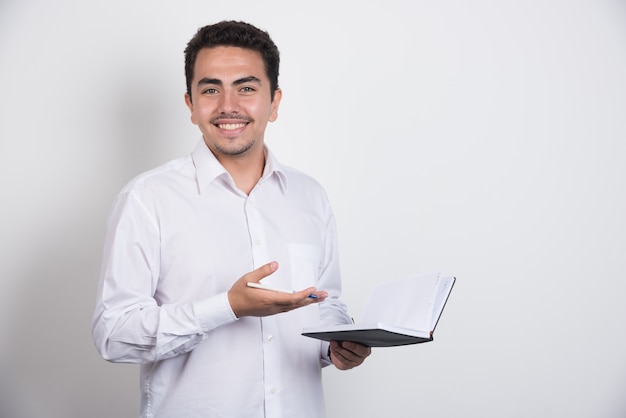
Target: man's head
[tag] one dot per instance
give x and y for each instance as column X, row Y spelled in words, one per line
column 237, row 34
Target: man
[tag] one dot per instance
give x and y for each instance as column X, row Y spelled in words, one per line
column 185, row 239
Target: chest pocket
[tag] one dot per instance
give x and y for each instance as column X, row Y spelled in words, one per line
column 305, row 263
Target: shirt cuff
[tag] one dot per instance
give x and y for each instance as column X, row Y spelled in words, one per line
column 214, row 312
column 325, row 347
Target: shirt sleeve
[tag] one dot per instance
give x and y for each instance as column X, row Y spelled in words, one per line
column 128, row 324
column 332, row 311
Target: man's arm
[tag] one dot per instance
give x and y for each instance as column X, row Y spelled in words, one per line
column 129, row 325
column 343, row 355
column 136, row 332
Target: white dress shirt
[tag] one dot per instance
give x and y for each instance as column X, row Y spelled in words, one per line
column 178, row 237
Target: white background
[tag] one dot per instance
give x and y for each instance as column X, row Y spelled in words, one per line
column 485, row 139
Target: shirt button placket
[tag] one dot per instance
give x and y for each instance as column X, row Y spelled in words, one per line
column 271, row 351
column 272, row 361
column 256, row 233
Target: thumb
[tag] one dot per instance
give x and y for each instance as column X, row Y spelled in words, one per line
column 263, row 271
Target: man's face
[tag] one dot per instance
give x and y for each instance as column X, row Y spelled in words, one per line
column 231, row 100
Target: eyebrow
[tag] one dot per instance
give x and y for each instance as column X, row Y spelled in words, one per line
column 216, row 81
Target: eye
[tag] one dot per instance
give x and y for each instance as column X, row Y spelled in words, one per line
column 209, row 91
column 247, row 89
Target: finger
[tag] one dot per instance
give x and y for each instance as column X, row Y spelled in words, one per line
column 340, row 360
column 349, row 353
column 263, row 271
column 312, row 293
column 358, row 349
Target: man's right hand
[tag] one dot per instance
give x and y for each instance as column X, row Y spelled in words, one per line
column 247, row 301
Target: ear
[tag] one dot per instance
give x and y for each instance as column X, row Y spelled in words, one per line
column 190, row 107
column 278, row 95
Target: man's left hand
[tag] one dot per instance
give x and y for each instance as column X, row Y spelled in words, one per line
column 346, row 355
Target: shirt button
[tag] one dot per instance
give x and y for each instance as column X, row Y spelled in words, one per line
column 273, row 391
column 257, row 242
column 270, row 338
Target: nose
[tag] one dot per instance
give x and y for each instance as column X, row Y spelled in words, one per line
column 229, row 102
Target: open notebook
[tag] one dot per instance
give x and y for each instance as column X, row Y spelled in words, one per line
column 399, row 312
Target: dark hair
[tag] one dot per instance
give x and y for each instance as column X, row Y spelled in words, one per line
column 238, row 34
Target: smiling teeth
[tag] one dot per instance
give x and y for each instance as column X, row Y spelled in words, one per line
column 231, row 126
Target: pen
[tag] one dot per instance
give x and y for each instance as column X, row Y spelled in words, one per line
column 275, row 289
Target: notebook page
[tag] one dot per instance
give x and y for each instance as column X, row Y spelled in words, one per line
column 406, row 303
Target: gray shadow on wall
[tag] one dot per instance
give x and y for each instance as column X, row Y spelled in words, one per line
column 53, row 369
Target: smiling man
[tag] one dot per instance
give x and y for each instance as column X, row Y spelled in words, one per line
column 184, row 241
column 231, row 100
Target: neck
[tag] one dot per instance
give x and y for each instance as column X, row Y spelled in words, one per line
column 246, row 170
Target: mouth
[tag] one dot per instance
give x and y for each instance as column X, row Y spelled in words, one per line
column 231, row 123
column 231, row 126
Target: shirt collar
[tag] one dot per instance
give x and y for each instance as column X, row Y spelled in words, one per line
column 209, row 169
